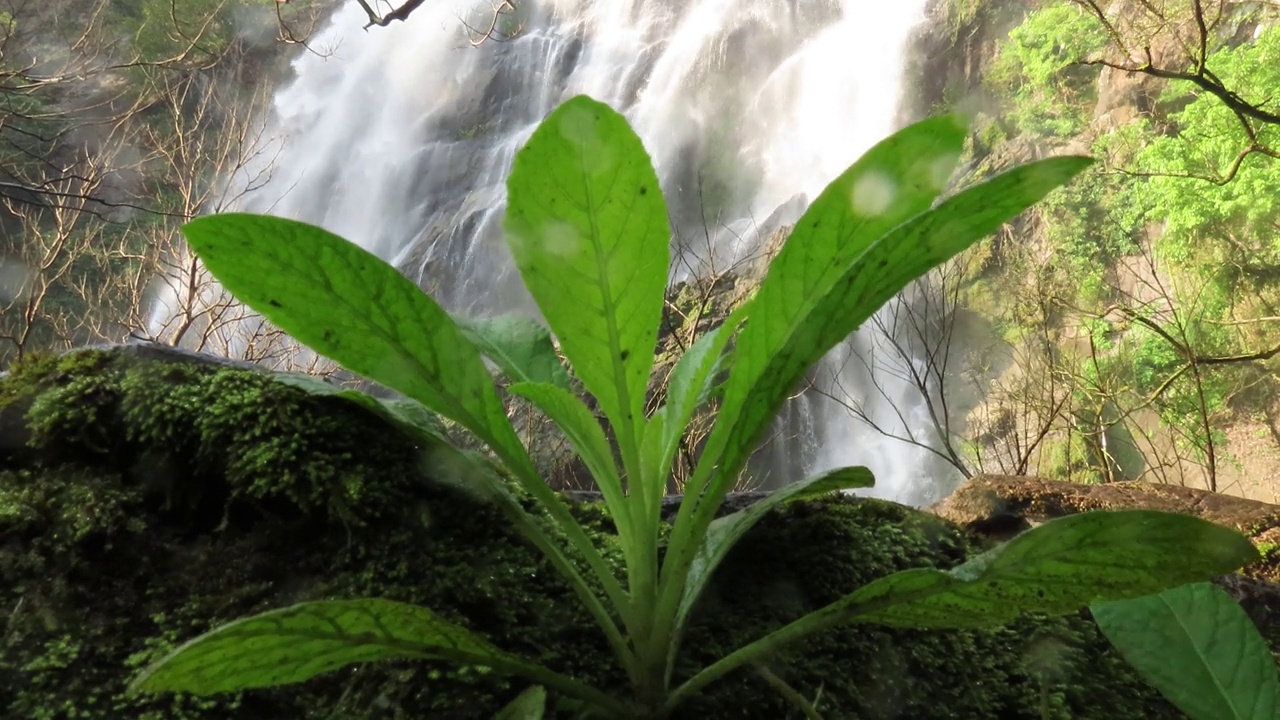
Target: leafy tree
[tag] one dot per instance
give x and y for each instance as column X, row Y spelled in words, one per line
column 1168, row 243
column 1039, row 69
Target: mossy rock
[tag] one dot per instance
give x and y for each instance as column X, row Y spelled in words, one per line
column 145, row 498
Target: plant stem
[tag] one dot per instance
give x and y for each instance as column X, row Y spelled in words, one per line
column 837, row 613
column 791, row 694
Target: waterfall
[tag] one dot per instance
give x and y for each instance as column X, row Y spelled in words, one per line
column 401, row 138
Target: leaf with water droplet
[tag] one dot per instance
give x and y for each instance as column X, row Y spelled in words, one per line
column 895, row 180
column 592, row 249
column 882, row 270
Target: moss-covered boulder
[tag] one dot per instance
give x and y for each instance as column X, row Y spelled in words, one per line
column 147, row 496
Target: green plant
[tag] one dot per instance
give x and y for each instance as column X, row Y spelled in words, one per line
column 587, row 226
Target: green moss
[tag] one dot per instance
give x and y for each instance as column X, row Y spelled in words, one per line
column 182, row 426
column 153, row 501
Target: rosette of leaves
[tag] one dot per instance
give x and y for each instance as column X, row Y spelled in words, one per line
column 587, row 226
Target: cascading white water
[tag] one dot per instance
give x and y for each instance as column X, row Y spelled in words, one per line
column 401, row 139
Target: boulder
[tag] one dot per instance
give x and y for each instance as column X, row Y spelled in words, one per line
column 993, row 508
column 147, row 496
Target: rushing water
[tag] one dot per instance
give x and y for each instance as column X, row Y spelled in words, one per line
column 401, row 138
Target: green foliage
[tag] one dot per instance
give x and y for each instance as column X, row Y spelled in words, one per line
column 1059, row 566
column 1199, row 648
column 587, row 227
column 106, row 536
column 1090, row 224
column 1222, row 225
column 1184, row 396
column 416, row 347
column 521, row 347
column 1038, row 68
column 197, row 30
column 1170, row 225
column 262, row 436
column 1068, row 457
column 296, row 643
column 960, row 13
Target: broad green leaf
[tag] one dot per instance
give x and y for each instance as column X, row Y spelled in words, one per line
column 529, row 705
column 585, row 434
column 409, row 415
column 893, row 181
column 297, row 643
column 1057, row 567
column 520, row 346
column 587, row 225
column 725, row 532
column 885, row 268
column 349, row 305
column 1199, row 649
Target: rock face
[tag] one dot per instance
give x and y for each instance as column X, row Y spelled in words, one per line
column 996, row 506
column 992, row 508
column 147, row 497
column 1025, row 501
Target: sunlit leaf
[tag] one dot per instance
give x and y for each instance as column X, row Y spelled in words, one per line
column 893, row 181
column 587, row 225
column 1199, row 649
column 349, row 305
column 884, row 269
